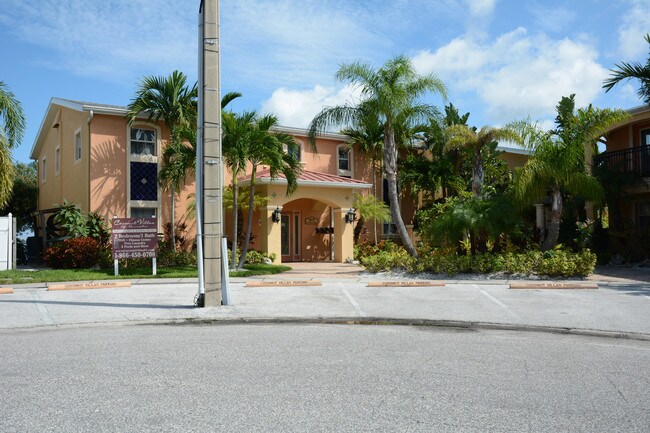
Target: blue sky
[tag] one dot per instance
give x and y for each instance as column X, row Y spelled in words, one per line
column 501, row 60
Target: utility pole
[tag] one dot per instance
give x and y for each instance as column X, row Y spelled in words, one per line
column 209, row 166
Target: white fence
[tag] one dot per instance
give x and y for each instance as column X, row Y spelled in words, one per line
column 7, row 243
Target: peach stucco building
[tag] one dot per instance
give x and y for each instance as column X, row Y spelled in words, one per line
column 89, row 155
column 627, row 160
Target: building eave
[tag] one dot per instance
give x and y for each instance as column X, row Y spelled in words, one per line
column 280, row 181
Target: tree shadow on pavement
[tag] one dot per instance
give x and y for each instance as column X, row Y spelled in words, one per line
column 100, row 304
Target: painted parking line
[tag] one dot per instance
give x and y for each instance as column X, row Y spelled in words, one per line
column 354, row 303
column 496, row 301
column 42, row 309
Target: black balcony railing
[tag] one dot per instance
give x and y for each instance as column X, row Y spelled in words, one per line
column 633, row 163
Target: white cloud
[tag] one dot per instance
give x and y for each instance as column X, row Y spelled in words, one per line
column 298, row 107
column 517, row 75
column 481, row 7
column 635, row 24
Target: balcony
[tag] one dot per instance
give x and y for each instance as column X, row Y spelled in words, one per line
column 633, row 164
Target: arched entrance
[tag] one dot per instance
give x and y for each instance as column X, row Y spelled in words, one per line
column 309, row 225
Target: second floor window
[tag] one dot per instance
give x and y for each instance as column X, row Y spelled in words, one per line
column 344, row 161
column 143, row 141
column 77, row 146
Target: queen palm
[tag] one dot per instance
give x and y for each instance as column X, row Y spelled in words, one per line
column 237, row 134
column 627, row 71
column 558, row 162
column 477, row 141
column 171, row 100
column 12, row 127
column 275, row 150
column 368, row 138
column 390, row 93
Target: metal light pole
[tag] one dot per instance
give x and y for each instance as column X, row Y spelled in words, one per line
column 209, row 167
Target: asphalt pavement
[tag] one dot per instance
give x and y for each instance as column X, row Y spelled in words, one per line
column 618, row 307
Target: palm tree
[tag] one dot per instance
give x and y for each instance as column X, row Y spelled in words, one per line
column 237, row 133
column 391, row 93
column 369, row 208
column 627, row 71
column 268, row 148
column 12, row 128
column 463, row 136
column 168, row 99
column 558, row 163
column 368, row 138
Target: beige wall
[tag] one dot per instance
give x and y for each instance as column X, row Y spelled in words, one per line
column 71, row 183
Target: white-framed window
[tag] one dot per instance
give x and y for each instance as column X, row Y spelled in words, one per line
column 295, row 150
column 643, row 214
column 44, row 169
column 143, row 212
column 645, row 137
column 77, row 145
column 344, row 160
column 143, row 141
column 57, row 160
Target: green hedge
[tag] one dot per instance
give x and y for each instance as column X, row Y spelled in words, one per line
column 556, row 263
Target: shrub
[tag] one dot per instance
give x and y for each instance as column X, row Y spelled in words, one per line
column 555, row 263
column 171, row 258
column 74, row 253
column 72, row 219
column 396, row 257
column 254, row 257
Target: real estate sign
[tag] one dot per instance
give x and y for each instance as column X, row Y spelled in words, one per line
column 135, row 238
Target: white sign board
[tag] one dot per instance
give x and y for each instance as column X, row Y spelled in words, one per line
column 7, row 241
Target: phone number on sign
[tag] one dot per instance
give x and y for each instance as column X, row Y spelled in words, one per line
column 135, row 255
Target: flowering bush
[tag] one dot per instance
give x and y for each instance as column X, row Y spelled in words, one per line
column 74, row 253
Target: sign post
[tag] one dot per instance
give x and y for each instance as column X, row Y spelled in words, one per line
column 134, row 238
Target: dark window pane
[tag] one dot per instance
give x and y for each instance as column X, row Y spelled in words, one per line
column 143, row 181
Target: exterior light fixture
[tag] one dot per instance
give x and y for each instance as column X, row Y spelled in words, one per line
column 350, row 216
column 275, row 217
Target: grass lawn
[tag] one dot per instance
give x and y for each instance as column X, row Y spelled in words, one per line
column 54, row 275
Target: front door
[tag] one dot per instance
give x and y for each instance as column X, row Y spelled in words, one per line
column 290, row 236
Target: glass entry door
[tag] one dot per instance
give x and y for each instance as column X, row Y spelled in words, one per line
column 285, row 222
column 290, row 236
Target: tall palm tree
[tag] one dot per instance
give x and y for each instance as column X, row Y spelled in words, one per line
column 462, row 136
column 627, row 71
column 268, row 148
column 391, row 93
column 368, row 138
column 558, row 163
column 166, row 98
column 12, row 128
column 236, row 140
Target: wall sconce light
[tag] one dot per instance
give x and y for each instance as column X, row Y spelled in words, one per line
column 350, row 216
column 275, row 216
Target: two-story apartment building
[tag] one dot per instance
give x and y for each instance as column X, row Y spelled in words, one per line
column 88, row 154
column 626, row 163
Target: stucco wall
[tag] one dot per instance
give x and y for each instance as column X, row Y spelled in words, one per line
column 72, row 181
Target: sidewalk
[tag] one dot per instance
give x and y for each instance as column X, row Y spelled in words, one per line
column 621, row 306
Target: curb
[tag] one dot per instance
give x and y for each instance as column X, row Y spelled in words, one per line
column 457, row 324
column 365, row 321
